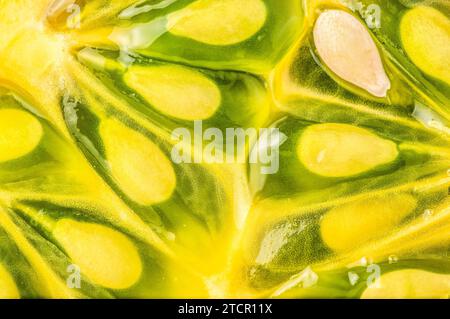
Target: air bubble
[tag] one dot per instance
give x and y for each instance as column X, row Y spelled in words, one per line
column 363, row 261
column 393, row 259
column 170, row 236
column 353, row 278
column 427, row 214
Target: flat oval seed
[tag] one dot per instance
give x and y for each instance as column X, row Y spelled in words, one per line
column 410, row 284
column 20, row 134
column 8, row 288
column 140, row 168
column 425, row 34
column 339, row 150
column 176, row 91
column 347, row 226
column 223, row 22
column 347, row 48
column 105, row 256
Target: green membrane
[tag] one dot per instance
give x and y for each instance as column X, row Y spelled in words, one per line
column 328, row 66
column 104, row 194
column 174, row 207
column 333, row 205
column 415, row 34
column 40, row 148
column 398, row 279
column 175, row 95
column 229, row 34
column 317, row 157
column 93, row 257
column 343, row 232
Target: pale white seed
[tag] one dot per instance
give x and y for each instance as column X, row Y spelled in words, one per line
column 347, row 48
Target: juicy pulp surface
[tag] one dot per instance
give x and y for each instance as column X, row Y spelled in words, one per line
column 87, row 178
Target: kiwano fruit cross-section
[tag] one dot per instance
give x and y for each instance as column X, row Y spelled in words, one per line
column 118, row 171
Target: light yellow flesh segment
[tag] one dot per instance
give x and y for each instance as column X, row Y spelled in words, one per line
column 410, row 284
column 105, row 256
column 347, row 48
column 347, row 226
column 8, row 288
column 223, row 22
column 141, row 169
column 176, row 91
column 425, row 34
column 20, row 134
column 340, row 150
column 23, row 30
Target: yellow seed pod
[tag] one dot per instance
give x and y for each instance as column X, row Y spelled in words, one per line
column 141, row 169
column 176, row 91
column 105, row 256
column 20, row 134
column 425, row 35
column 346, row 227
column 339, row 150
column 223, row 22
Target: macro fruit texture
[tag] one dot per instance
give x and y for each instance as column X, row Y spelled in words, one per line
column 92, row 204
